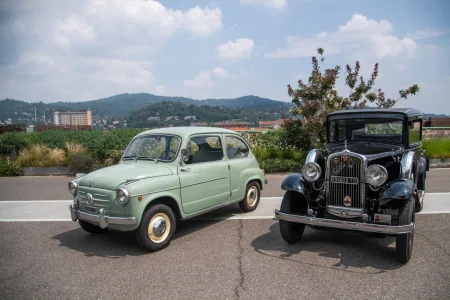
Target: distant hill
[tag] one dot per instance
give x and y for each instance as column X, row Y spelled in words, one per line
column 121, row 106
column 155, row 115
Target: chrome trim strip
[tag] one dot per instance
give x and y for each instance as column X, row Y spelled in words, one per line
column 101, row 218
column 159, row 191
column 364, row 227
column 203, row 182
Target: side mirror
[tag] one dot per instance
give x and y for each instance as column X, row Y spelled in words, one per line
column 243, row 149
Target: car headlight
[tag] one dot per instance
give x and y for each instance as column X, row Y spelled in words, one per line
column 376, row 175
column 311, row 171
column 122, row 195
column 73, row 186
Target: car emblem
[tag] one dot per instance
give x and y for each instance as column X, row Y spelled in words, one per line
column 336, row 160
column 88, row 199
column 345, row 157
column 347, row 201
column 350, row 163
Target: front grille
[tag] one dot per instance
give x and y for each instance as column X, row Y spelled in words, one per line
column 346, row 188
column 101, row 198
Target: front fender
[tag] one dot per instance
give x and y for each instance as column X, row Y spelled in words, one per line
column 296, row 183
column 399, row 189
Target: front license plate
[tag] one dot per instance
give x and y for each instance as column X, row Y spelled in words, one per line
column 91, row 209
column 345, row 180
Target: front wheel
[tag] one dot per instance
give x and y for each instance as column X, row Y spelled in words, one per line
column 291, row 232
column 157, row 228
column 405, row 241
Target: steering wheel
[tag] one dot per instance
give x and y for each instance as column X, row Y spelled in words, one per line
column 168, row 151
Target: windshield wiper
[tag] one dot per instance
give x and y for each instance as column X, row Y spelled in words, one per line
column 148, row 157
column 127, row 157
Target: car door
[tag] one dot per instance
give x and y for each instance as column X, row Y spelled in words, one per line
column 240, row 162
column 204, row 176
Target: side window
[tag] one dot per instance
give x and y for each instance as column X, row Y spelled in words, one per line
column 415, row 134
column 204, row 149
column 236, row 148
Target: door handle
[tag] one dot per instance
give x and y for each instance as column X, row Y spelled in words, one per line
column 185, row 169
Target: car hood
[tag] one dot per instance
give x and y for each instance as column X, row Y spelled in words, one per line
column 110, row 177
column 370, row 151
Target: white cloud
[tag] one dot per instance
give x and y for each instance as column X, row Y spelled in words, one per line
column 204, row 79
column 238, row 49
column 144, row 24
column 361, row 33
column 278, row 4
column 219, row 72
column 427, row 33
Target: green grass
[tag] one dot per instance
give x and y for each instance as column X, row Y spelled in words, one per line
column 437, row 148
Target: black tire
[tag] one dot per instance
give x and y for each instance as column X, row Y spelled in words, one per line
column 91, row 228
column 405, row 241
column 291, row 232
column 251, row 198
column 146, row 237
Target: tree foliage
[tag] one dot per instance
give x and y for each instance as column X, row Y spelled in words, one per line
column 319, row 96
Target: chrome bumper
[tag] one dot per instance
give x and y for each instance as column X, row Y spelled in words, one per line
column 101, row 218
column 365, row 227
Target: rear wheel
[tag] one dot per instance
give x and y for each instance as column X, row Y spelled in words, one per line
column 157, row 228
column 252, row 197
column 405, row 241
column 291, row 232
column 91, row 228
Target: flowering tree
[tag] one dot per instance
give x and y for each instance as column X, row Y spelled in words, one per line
column 315, row 99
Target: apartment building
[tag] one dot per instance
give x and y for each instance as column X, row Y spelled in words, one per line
column 79, row 117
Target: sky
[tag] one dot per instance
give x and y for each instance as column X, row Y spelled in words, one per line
column 82, row 50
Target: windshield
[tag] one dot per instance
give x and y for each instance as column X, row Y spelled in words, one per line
column 154, row 147
column 369, row 129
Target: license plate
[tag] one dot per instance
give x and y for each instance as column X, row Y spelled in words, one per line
column 345, row 180
column 91, row 209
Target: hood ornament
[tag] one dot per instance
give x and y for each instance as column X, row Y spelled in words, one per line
column 345, row 145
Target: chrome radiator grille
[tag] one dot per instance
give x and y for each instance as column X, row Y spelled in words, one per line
column 346, row 188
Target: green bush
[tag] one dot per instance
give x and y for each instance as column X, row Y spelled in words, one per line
column 437, row 148
column 10, row 168
column 272, row 165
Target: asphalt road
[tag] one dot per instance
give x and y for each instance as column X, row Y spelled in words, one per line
column 223, row 259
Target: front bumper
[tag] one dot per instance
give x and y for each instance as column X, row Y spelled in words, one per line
column 101, row 218
column 365, row 227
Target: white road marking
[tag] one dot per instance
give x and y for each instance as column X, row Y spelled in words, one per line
column 58, row 211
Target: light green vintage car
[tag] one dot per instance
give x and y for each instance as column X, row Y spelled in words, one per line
column 164, row 175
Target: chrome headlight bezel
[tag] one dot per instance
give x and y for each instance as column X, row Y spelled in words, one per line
column 376, row 170
column 73, row 187
column 309, row 166
column 122, row 195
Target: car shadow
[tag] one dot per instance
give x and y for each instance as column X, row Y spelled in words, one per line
column 116, row 244
column 354, row 252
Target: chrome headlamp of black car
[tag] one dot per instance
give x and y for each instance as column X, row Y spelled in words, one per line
column 311, row 171
column 376, row 175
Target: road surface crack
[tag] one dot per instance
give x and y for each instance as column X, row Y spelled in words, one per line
column 240, row 286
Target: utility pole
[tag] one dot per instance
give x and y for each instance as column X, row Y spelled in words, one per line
column 35, row 120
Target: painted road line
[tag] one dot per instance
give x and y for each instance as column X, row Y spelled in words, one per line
column 57, row 210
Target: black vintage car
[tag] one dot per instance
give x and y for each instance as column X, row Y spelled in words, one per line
column 370, row 179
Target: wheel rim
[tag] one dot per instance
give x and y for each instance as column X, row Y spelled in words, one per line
column 252, row 196
column 159, row 228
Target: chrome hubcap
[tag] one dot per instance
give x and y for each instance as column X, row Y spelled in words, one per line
column 159, row 227
column 252, row 196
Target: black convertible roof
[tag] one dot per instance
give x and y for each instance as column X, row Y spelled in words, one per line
column 408, row 112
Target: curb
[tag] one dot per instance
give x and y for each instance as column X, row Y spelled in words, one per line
column 46, row 171
column 440, row 163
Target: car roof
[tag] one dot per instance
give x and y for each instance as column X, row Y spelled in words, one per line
column 409, row 112
column 185, row 131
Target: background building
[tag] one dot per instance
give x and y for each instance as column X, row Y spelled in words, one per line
column 79, row 117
